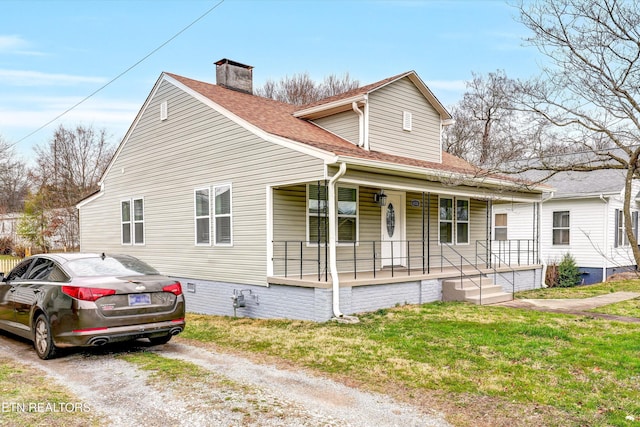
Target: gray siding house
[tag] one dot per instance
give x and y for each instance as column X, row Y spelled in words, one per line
column 265, row 209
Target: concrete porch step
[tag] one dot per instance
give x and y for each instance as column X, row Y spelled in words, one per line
column 468, row 289
column 493, row 298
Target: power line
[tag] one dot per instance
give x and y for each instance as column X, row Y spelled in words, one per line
column 119, row 75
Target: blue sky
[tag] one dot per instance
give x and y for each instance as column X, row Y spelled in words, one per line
column 53, row 53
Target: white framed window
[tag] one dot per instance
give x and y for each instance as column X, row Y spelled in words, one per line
column 621, row 238
column 202, row 213
column 138, row 221
column 445, row 208
column 125, row 222
column 561, row 228
column 222, row 215
column 453, row 222
column 347, row 214
column 317, row 214
column 132, row 221
column 500, row 227
column 462, row 221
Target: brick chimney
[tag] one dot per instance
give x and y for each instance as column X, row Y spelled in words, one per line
column 234, row 75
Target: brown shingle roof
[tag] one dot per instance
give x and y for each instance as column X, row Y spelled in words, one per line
column 277, row 118
column 353, row 92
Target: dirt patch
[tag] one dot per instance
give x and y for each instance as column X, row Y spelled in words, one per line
column 462, row 409
column 236, row 391
column 619, row 277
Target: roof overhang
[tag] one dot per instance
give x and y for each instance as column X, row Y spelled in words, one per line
column 330, row 108
column 345, row 104
column 467, row 179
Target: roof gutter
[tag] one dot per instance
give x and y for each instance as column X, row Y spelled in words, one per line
column 420, row 170
column 333, row 265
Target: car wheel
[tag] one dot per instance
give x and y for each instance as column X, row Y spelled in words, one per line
column 160, row 340
column 42, row 339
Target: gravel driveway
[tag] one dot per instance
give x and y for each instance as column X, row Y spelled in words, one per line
column 237, row 393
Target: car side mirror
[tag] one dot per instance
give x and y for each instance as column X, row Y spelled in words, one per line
column 2, row 278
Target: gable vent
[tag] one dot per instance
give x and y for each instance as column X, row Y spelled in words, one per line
column 407, row 120
column 163, row 111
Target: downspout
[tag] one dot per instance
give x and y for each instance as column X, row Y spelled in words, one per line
column 365, row 124
column 333, row 265
column 544, row 263
column 355, row 107
column 606, row 235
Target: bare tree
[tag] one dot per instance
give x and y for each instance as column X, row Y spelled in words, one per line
column 335, row 85
column 300, row 89
column 13, row 180
column 488, row 130
column 68, row 169
column 591, row 87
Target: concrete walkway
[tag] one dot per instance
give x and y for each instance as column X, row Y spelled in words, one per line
column 579, row 306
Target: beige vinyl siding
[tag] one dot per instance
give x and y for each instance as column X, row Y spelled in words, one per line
column 477, row 227
column 369, row 231
column 289, row 228
column 164, row 161
column 290, row 214
column 386, row 106
column 345, row 125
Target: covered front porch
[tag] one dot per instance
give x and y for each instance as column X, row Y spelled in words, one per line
column 370, row 229
column 487, row 277
column 365, row 226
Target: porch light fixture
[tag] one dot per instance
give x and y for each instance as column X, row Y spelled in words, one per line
column 380, row 198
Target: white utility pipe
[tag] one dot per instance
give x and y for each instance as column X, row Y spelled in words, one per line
column 333, row 229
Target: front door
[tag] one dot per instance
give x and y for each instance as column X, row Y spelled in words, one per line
column 393, row 245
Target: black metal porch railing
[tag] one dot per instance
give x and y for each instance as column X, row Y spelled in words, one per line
column 508, row 252
column 309, row 259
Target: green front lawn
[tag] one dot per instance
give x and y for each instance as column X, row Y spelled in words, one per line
column 481, row 365
column 581, row 291
column 629, row 308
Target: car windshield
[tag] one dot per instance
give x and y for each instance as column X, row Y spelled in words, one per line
column 109, row 266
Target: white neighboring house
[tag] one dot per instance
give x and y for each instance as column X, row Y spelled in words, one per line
column 582, row 217
column 60, row 239
column 9, row 226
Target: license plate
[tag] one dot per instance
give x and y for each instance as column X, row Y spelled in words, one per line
column 139, row 299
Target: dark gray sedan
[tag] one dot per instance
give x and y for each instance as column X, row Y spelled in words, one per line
column 76, row 299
